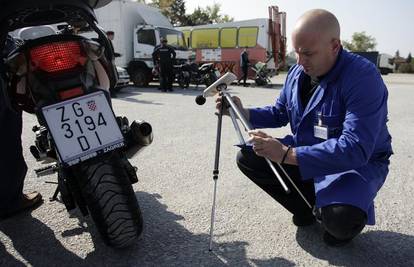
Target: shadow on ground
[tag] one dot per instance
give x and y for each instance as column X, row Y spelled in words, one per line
column 165, row 242
column 372, row 248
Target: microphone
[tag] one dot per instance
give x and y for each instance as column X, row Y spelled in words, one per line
column 224, row 80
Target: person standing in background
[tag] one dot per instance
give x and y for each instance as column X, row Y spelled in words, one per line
column 244, row 65
column 164, row 57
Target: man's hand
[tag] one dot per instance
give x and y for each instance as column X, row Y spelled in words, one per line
column 236, row 101
column 266, row 146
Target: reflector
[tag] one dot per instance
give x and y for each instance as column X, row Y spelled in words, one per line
column 77, row 91
column 57, row 57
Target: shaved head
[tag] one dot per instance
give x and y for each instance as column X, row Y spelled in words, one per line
column 320, row 22
column 316, row 40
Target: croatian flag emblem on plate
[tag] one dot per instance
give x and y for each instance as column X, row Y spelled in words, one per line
column 92, row 105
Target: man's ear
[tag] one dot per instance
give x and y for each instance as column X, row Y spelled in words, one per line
column 336, row 45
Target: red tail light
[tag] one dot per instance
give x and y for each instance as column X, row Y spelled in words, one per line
column 57, row 57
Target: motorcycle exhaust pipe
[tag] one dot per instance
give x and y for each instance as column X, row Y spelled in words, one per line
column 139, row 136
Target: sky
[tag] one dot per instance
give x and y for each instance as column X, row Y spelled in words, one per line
column 391, row 23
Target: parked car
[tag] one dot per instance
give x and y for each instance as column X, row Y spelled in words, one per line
column 123, row 77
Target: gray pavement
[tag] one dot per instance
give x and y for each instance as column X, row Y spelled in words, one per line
column 175, row 193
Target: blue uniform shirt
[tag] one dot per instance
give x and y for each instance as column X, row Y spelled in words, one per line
column 350, row 163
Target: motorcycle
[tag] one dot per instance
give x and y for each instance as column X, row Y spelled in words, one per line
column 192, row 73
column 64, row 80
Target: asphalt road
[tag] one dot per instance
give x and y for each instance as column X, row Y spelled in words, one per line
column 175, row 193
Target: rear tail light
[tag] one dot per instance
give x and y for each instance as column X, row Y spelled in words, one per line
column 57, row 57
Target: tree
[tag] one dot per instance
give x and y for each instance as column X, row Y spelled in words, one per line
column 409, row 58
column 175, row 11
column 177, row 15
column 213, row 12
column 397, row 54
column 361, row 42
column 199, row 17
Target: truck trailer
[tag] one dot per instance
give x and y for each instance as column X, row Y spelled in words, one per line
column 222, row 43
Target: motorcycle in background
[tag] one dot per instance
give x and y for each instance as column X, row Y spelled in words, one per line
column 64, row 80
column 192, row 73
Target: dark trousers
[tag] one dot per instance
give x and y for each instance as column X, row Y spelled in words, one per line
column 12, row 165
column 166, row 76
column 341, row 221
column 244, row 77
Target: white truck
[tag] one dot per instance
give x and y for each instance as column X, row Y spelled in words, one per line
column 138, row 29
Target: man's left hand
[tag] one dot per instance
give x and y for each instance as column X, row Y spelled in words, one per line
column 266, row 146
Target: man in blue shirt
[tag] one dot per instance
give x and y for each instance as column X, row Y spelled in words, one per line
column 338, row 153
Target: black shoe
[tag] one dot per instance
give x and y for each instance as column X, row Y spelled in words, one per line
column 332, row 241
column 27, row 202
column 170, row 90
column 303, row 221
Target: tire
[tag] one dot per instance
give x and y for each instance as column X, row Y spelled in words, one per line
column 111, row 201
column 260, row 81
column 183, row 82
column 140, row 78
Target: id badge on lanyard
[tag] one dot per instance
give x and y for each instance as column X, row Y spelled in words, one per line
column 320, row 130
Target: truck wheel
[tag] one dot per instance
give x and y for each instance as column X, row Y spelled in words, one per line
column 140, row 78
column 111, row 201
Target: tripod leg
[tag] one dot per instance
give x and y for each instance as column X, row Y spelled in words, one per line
column 216, row 172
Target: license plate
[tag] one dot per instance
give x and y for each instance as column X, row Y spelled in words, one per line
column 83, row 127
column 218, row 74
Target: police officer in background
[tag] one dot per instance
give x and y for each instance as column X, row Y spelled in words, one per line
column 164, row 58
column 12, row 165
column 338, row 153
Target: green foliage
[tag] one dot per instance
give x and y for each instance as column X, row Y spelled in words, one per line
column 198, row 17
column 177, row 15
column 406, row 68
column 409, row 58
column 175, row 11
column 361, row 42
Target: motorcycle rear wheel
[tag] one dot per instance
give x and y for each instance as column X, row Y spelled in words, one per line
column 111, row 201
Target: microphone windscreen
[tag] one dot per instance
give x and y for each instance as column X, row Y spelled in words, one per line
column 200, row 100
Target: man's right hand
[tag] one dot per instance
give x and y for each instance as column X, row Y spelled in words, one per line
column 236, row 101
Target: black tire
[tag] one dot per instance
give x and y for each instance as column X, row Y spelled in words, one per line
column 260, row 81
column 140, row 77
column 183, row 82
column 111, row 201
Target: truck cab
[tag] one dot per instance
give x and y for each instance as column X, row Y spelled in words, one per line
column 146, row 38
column 138, row 29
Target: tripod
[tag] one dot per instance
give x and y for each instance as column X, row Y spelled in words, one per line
column 227, row 102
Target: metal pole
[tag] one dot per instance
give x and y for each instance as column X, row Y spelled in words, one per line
column 236, row 126
column 247, row 125
column 216, row 172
